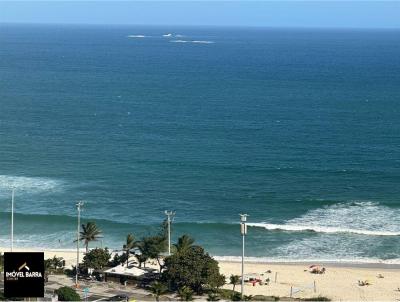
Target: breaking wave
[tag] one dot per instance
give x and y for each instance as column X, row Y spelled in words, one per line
column 359, row 260
column 192, row 41
column 357, row 217
column 28, row 184
column 137, row 36
column 302, row 228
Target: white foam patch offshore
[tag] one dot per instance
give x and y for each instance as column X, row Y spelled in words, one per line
column 137, row 36
column 192, row 41
column 361, row 217
column 169, row 35
column 30, row 185
column 61, row 239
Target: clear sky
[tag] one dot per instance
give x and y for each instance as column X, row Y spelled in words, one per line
column 278, row 13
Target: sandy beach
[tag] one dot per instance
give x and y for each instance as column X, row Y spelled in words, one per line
column 68, row 255
column 339, row 282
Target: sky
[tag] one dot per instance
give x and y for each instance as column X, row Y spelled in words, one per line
column 277, row 13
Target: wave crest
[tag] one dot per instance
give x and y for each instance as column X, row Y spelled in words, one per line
column 193, row 41
column 356, row 217
column 136, row 36
column 359, row 260
column 317, row 229
column 28, row 184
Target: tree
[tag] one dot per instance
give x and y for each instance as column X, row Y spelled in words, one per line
column 130, row 244
column 57, row 262
column 47, row 268
column 234, row 280
column 163, row 232
column 90, row 232
column 185, row 293
column 184, row 243
column 117, row 260
column 48, row 264
column 96, row 258
column 141, row 259
column 152, row 247
column 67, row 294
column 52, row 264
column 157, row 288
column 193, row 268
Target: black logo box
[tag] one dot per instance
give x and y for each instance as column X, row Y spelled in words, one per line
column 26, row 275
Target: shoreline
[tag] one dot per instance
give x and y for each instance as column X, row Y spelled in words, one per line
column 344, row 263
column 333, row 263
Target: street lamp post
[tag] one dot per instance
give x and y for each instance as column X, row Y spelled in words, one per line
column 78, row 207
column 170, row 218
column 12, row 219
column 243, row 231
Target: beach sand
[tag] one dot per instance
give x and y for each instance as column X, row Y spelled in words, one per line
column 68, row 255
column 340, row 282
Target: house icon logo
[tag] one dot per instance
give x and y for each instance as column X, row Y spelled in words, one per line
column 24, row 266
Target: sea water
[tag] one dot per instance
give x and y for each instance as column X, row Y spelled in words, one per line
column 300, row 129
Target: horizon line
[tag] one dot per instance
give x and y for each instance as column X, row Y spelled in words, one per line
column 206, row 25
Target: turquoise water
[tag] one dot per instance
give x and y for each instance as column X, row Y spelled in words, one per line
column 298, row 128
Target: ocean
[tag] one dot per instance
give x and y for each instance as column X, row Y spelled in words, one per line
column 299, row 128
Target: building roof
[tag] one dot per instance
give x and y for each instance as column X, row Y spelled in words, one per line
column 126, row 271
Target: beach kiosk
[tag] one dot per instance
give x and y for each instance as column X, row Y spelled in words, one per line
column 125, row 274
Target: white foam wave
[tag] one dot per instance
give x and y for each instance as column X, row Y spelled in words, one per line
column 357, row 217
column 7, row 240
column 357, row 260
column 302, row 228
column 59, row 239
column 137, row 36
column 28, row 184
column 192, row 41
column 202, row 42
column 170, row 35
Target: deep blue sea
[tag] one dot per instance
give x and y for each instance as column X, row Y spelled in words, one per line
column 300, row 129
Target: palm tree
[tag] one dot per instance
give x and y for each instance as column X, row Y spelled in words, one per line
column 185, row 293
column 90, row 232
column 48, row 267
column 234, row 280
column 184, row 243
column 141, row 259
column 158, row 289
column 57, row 262
column 130, row 244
